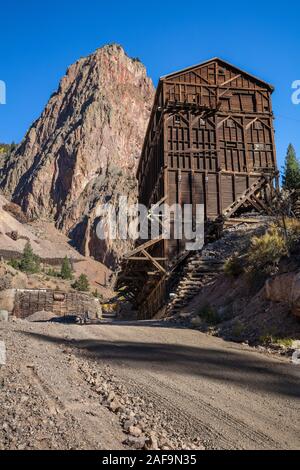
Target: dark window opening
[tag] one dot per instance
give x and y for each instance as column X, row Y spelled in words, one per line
column 231, row 145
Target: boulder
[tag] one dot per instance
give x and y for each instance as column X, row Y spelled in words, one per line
column 2, row 360
column 185, row 315
column 135, row 431
column 41, row 316
column 136, row 442
column 196, row 321
column 115, row 405
column 285, row 288
column 11, row 278
column 153, row 441
column 7, row 299
column 4, row 315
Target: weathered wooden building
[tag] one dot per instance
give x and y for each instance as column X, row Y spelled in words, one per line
column 210, row 140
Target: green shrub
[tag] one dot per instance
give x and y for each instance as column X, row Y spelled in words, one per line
column 82, row 283
column 291, row 171
column 29, row 263
column 292, row 227
column 14, row 263
column 286, row 342
column 238, row 330
column 97, row 294
column 66, row 269
column 266, row 251
column 209, row 315
column 269, row 339
column 233, row 266
column 51, row 272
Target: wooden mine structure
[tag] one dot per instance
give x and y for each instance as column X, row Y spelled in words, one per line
column 210, row 140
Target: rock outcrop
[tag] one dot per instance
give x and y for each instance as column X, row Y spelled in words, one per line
column 285, row 288
column 84, row 149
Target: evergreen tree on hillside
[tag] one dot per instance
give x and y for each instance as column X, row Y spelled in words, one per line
column 82, row 283
column 66, row 269
column 291, row 171
column 29, row 263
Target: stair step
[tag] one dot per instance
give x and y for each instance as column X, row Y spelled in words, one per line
column 190, row 284
column 192, row 274
column 205, row 261
column 188, row 289
column 205, row 266
column 201, row 271
column 188, row 296
column 180, row 304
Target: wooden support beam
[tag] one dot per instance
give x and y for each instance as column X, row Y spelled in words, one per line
column 144, row 246
column 254, row 204
column 156, row 264
column 140, row 258
column 230, row 80
column 261, row 203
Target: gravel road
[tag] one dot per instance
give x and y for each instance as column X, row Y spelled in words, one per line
column 112, row 386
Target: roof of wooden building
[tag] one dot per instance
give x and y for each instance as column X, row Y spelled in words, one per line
column 222, row 62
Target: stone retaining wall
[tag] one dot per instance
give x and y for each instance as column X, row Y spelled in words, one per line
column 29, row 301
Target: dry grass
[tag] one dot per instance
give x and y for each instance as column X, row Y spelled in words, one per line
column 266, row 251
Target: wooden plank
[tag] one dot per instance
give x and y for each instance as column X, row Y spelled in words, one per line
column 144, row 246
column 156, row 264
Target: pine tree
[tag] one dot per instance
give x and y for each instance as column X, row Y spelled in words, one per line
column 82, row 283
column 30, row 263
column 66, row 269
column 291, row 171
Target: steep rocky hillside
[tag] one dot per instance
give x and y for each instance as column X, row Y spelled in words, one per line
column 5, row 152
column 84, row 148
column 244, row 302
column 50, row 245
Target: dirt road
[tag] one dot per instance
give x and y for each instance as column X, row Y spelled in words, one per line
column 188, row 386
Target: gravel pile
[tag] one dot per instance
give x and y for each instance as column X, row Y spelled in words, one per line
column 147, row 428
column 41, row 316
column 234, row 239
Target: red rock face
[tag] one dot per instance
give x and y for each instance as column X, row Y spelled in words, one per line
column 85, row 146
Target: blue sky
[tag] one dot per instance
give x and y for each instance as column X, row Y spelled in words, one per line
column 38, row 40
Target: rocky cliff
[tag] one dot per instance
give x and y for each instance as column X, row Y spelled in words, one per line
column 84, row 148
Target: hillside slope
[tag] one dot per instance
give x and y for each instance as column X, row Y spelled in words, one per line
column 50, row 245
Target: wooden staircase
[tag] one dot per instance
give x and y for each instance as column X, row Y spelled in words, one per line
column 197, row 272
column 246, row 196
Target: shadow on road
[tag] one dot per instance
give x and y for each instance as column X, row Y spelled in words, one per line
column 226, row 366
